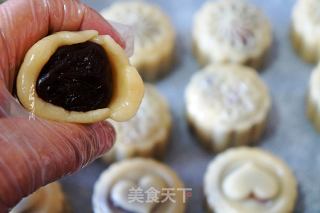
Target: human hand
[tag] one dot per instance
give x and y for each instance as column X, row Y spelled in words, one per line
column 36, row 152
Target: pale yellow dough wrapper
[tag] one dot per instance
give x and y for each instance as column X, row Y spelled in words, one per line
column 128, row 86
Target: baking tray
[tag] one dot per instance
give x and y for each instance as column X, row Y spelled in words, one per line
column 289, row 134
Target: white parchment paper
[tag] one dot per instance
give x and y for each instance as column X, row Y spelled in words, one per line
column 290, row 135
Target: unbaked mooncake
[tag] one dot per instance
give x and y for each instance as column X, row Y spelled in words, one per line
column 147, row 133
column 48, row 199
column 79, row 77
column 231, row 31
column 249, row 180
column 313, row 98
column 227, row 105
column 154, row 36
column 305, row 32
column 139, row 185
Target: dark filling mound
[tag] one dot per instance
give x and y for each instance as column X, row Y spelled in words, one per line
column 77, row 77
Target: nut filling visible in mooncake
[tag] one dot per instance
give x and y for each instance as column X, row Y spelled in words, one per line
column 77, row 77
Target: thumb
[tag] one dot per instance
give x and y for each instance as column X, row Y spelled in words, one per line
column 34, row 153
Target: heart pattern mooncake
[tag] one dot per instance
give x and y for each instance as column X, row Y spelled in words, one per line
column 138, row 185
column 249, row 180
column 121, row 190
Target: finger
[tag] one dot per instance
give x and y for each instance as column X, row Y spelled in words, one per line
column 34, row 154
column 37, row 19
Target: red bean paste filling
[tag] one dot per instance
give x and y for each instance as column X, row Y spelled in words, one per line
column 77, row 77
